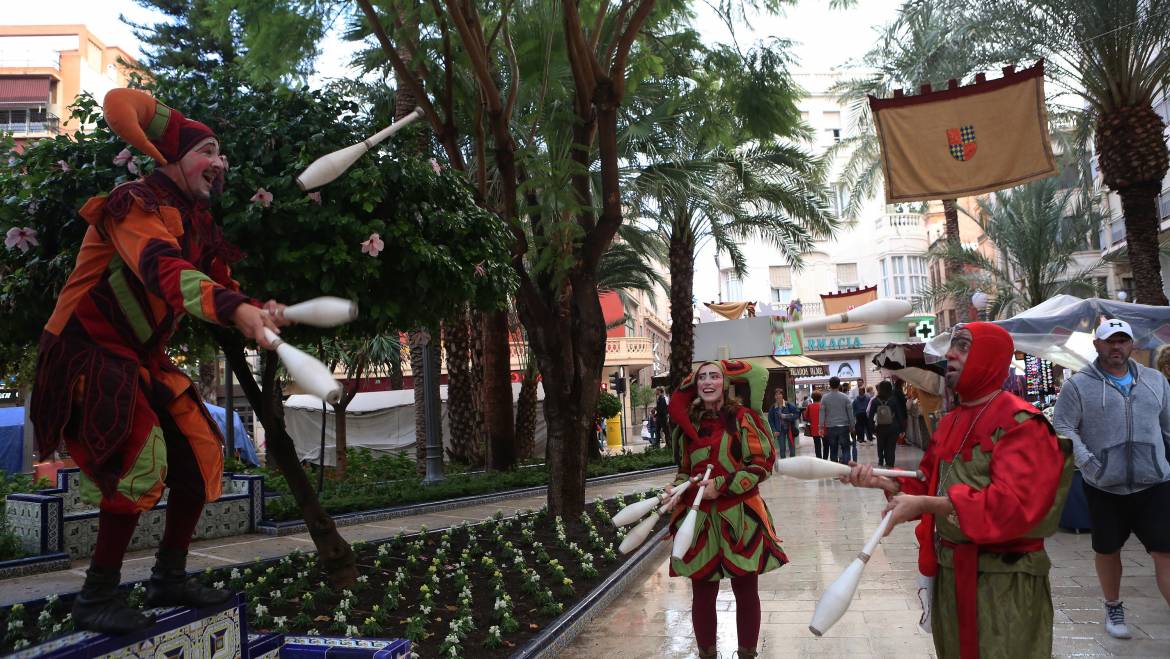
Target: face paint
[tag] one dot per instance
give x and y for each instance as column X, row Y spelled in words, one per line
column 201, row 167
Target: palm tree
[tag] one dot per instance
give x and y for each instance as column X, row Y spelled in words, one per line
column 770, row 193
column 1114, row 54
column 1037, row 230
column 931, row 41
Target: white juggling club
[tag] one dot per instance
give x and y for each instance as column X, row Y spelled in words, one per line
column 636, row 510
column 806, row 467
column 686, row 532
column 329, row 166
column 311, row 374
column 639, row 533
column 325, row 311
column 885, row 310
column 836, row 598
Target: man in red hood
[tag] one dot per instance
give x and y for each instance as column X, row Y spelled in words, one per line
column 996, row 476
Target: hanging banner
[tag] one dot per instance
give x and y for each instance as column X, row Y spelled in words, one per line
column 835, row 303
column 965, row 141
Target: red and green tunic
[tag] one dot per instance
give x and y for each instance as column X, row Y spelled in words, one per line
column 1007, row 474
column 734, row 533
column 149, row 257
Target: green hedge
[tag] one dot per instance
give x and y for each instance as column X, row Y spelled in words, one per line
column 357, row 493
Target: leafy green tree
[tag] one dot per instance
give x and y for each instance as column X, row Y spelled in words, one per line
column 1115, row 55
column 297, row 246
column 1037, row 230
column 358, row 358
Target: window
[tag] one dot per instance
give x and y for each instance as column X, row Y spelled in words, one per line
column 839, row 199
column 903, row 277
column 847, row 275
column 732, row 287
column 780, row 279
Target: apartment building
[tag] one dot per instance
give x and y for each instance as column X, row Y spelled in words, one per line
column 44, row 68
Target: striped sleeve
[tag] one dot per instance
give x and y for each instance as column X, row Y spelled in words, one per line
column 758, row 450
column 154, row 256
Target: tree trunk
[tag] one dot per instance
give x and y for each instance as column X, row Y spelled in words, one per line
column 951, row 228
column 209, row 380
column 466, row 431
column 1133, row 157
column 681, row 257
column 526, row 415
column 337, row 558
column 1140, row 205
column 497, row 392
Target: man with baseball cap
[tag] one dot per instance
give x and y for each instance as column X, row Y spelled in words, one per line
column 1116, row 412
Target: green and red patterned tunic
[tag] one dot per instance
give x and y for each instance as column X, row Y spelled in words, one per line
column 734, row 533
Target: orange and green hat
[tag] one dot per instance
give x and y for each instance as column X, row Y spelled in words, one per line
column 160, row 132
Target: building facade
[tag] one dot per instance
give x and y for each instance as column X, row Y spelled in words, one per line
column 44, row 68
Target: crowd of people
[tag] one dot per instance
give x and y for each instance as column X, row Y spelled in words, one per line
column 839, row 418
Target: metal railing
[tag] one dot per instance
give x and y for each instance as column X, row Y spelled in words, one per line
column 50, row 123
column 900, row 221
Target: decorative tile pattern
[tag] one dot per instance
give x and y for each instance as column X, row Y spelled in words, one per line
column 22, row 567
column 315, row 647
column 57, row 520
column 179, row 633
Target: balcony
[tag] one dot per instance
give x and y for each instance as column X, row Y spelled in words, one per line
column 31, row 59
column 29, row 124
column 635, row 351
column 913, row 221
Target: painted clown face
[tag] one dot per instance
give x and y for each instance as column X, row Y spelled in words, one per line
column 709, row 383
column 957, row 355
column 202, row 169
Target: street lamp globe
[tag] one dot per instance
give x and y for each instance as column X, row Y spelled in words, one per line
column 979, row 300
column 1122, row 295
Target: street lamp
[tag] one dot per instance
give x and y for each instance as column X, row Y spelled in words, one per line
column 979, row 300
column 1122, row 295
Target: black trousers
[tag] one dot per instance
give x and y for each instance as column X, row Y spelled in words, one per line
column 887, row 442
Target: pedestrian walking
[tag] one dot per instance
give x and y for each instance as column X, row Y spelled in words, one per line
column 888, row 421
column 836, row 416
column 812, row 414
column 1116, row 412
column 735, row 537
column 783, row 417
column 996, row 479
column 660, row 413
column 862, row 430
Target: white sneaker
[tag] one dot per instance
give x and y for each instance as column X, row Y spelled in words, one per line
column 1115, row 620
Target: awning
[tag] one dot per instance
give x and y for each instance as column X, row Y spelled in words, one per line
column 24, row 89
column 800, row 366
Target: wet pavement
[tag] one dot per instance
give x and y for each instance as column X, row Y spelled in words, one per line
column 823, row 525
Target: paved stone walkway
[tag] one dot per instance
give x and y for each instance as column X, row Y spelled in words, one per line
column 241, row 549
column 823, row 525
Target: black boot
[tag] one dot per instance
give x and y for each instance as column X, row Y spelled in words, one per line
column 169, row 584
column 99, row 607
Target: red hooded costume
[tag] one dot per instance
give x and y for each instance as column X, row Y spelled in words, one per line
column 1001, row 465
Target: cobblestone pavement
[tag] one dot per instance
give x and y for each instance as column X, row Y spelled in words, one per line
column 219, row 552
column 823, row 525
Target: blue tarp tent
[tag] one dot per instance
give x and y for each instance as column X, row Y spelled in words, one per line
column 11, row 439
column 243, row 442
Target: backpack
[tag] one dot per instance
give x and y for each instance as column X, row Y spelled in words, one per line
column 884, row 414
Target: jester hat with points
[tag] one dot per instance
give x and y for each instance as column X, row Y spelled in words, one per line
column 734, row 372
column 158, row 131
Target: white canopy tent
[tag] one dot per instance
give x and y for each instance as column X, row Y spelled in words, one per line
column 381, row 421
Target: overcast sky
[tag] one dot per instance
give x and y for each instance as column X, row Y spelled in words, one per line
column 826, row 38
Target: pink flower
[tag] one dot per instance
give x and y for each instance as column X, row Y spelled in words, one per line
column 124, row 156
column 21, row 238
column 64, row 166
column 374, row 245
column 480, row 271
column 132, row 166
column 315, row 196
column 436, row 166
column 262, row 197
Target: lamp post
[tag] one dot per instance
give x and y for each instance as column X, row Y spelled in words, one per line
column 979, row 300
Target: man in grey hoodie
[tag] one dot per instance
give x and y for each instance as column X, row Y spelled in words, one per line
column 837, row 421
column 1117, row 414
